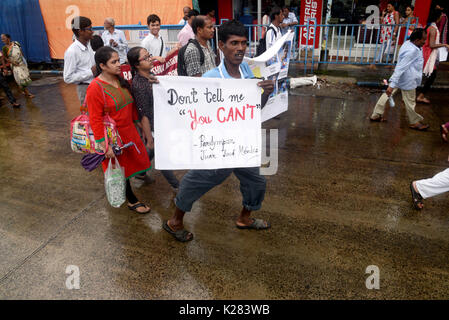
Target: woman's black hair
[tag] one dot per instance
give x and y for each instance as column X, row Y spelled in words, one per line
column 267, row 11
column 393, row 3
column 434, row 15
column 7, row 35
column 133, row 59
column 96, row 42
column 102, row 56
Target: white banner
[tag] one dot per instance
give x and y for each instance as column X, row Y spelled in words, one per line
column 273, row 65
column 206, row 123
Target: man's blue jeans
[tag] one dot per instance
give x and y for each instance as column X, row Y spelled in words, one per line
column 197, row 182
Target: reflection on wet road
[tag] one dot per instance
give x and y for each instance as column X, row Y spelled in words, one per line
column 338, row 203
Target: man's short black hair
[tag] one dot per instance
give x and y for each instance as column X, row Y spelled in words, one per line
column 275, row 12
column 153, row 18
column 80, row 23
column 417, row 34
column 231, row 28
column 193, row 13
column 198, row 22
column 96, row 42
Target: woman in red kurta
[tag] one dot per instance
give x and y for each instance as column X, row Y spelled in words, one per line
column 110, row 91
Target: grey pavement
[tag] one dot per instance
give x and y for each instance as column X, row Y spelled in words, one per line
column 339, row 203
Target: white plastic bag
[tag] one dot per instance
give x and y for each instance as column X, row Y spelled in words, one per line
column 115, row 184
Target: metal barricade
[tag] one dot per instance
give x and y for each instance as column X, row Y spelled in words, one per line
column 313, row 44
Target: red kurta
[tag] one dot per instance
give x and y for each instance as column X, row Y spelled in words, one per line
column 122, row 110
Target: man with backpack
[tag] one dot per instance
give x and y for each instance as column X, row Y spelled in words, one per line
column 197, row 56
column 273, row 32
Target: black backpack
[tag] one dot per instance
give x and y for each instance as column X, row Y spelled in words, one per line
column 262, row 47
column 182, row 70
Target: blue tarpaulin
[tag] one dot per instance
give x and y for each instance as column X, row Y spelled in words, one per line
column 22, row 19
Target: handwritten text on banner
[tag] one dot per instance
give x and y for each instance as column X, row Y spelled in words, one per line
column 206, row 123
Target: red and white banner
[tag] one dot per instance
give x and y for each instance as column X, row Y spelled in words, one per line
column 310, row 9
column 169, row 68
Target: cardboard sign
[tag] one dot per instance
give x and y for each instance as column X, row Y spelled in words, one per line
column 206, row 123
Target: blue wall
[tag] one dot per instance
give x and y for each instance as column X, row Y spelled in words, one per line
column 22, row 19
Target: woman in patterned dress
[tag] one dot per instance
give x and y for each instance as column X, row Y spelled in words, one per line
column 387, row 35
column 14, row 57
column 110, row 91
column 431, row 55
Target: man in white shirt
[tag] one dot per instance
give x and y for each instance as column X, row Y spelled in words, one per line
column 187, row 33
column 273, row 31
column 153, row 42
column 184, row 19
column 79, row 60
column 289, row 20
column 115, row 38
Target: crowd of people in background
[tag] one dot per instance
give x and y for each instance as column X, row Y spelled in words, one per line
column 94, row 64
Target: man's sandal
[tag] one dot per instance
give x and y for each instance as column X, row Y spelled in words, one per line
column 257, row 224
column 378, row 119
column 138, row 205
column 416, row 198
column 180, row 235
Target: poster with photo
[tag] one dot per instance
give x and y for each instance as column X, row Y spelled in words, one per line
column 273, row 65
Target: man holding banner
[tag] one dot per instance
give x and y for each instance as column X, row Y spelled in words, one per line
column 232, row 42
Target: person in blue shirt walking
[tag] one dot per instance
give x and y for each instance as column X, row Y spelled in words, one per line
column 232, row 41
column 407, row 76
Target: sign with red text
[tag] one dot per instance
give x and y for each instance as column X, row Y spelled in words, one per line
column 206, row 123
column 310, row 9
column 169, row 68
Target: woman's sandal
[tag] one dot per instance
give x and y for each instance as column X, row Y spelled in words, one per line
column 420, row 127
column 416, row 198
column 138, row 205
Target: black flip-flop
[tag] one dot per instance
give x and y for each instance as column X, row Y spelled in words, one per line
column 140, row 204
column 257, row 224
column 416, row 197
column 180, row 235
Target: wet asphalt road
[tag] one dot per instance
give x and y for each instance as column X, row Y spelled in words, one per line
column 339, row 202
